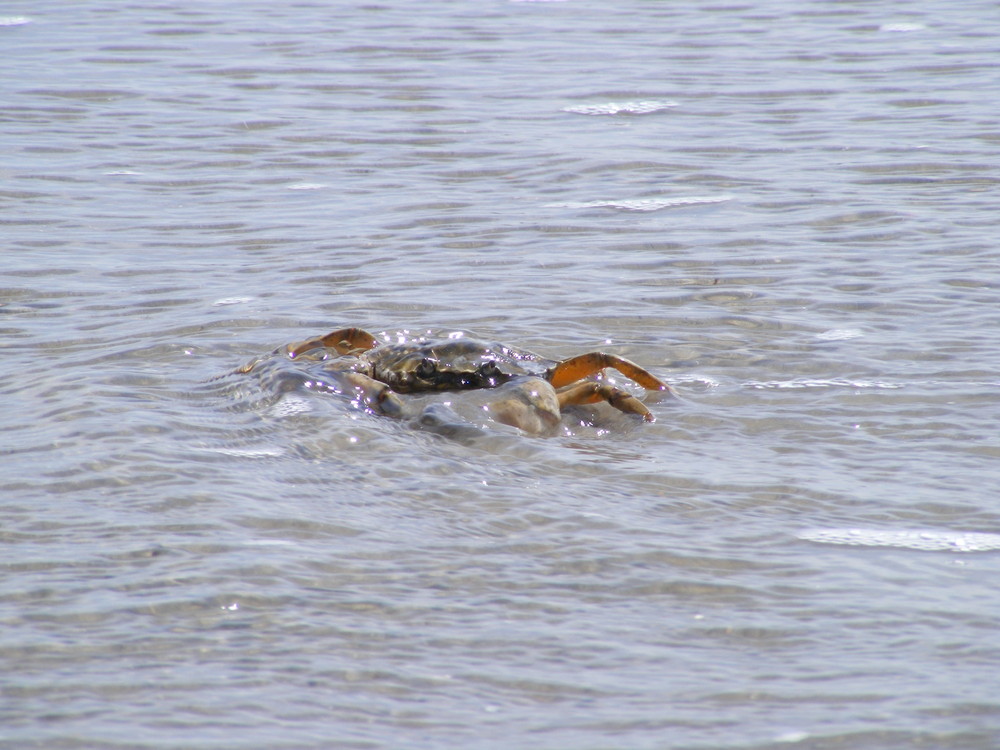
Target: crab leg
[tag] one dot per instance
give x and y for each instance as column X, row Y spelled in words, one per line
column 374, row 396
column 590, row 392
column 344, row 341
column 576, row 368
column 530, row 404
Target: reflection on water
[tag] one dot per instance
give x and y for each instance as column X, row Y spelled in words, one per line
column 782, row 211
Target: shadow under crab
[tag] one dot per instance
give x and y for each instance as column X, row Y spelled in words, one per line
column 527, row 391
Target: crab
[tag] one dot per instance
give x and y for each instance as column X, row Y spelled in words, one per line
column 530, row 391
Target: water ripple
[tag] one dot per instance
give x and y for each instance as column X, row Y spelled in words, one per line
column 186, row 188
column 645, row 204
column 823, row 383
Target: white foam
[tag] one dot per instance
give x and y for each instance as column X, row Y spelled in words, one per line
column 927, row 540
column 248, row 452
column 642, row 107
column 645, row 204
column 822, row 383
column 839, row 334
column 900, row 27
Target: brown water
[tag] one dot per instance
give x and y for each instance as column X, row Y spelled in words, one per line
column 786, row 211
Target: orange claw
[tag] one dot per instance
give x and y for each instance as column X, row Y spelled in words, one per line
column 344, row 341
column 576, row 368
column 590, row 392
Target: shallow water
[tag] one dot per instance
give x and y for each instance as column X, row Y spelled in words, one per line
column 787, row 212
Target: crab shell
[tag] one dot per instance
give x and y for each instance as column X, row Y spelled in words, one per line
column 447, row 365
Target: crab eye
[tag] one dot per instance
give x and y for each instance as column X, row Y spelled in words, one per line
column 425, row 369
column 489, row 370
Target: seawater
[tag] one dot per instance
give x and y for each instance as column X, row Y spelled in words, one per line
column 786, row 211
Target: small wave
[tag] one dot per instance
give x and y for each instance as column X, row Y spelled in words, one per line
column 821, row 383
column 645, row 204
column 307, row 186
column 289, row 406
column 840, row 334
column 899, row 27
column 231, row 301
column 948, row 541
column 616, row 108
column 269, row 543
column 695, row 380
column 248, row 452
column 14, row 20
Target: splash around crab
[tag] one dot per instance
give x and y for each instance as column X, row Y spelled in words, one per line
column 526, row 391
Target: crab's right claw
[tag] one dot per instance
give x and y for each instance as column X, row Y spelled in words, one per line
column 582, row 366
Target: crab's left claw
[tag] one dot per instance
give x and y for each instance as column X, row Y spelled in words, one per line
column 577, row 368
column 343, row 341
column 591, row 392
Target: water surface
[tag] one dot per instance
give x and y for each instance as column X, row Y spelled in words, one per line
column 786, row 211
